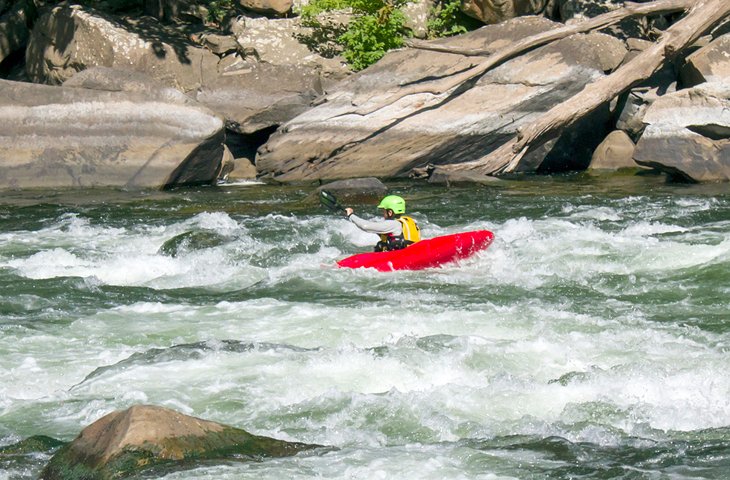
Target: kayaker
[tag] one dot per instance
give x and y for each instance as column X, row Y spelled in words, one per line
column 396, row 230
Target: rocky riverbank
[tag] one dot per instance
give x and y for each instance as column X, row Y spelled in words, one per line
column 154, row 98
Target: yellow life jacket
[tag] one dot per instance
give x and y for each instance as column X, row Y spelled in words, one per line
column 411, row 234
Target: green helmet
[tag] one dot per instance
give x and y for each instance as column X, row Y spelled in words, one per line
column 395, row 203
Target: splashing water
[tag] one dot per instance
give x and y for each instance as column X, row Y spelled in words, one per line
column 590, row 340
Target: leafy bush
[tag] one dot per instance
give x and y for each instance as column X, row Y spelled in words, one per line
column 377, row 26
column 315, row 7
column 370, row 36
column 217, row 9
column 446, row 19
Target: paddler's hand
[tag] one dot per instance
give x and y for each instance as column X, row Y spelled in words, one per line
column 348, row 212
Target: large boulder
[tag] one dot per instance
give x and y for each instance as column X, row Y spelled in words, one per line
column 286, row 41
column 609, row 50
column 74, row 137
column 252, row 93
column 144, row 437
column 688, row 134
column 614, row 153
column 634, row 105
column 710, row 63
column 355, row 134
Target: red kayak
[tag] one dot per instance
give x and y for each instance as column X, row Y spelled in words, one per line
column 429, row 253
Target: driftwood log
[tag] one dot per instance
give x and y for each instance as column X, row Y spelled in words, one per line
column 702, row 16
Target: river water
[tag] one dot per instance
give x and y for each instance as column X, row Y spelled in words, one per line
column 591, row 340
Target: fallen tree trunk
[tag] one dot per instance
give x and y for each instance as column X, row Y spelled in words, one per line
column 495, row 59
column 703, row 15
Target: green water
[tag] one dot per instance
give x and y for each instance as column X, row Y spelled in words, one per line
column 589, row 341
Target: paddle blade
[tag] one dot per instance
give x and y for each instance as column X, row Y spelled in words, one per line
column 329, row 201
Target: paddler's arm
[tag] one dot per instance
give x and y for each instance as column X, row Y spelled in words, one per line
column 378, row 226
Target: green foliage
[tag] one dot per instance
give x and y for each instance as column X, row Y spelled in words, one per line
column 370, row 36
column 315, row 7
column 447, row 20
column 377, row 26
column 217, row 9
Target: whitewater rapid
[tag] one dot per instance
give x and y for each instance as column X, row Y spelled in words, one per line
column 585, row 321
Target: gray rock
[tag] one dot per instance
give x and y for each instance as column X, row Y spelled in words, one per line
column 614, row 153
column 356, row 190
column 74, row 137
column 221, row 45
column 281, row 42
column 116, row 80
column 634, row 104
column 610, row 50
column 256, row 96
column 334, row 141
column 417, row 15
column 276, row 7
column 710, row 63
column 250, row 91
column 71, row 38
column 688, row 134
column 463, row 177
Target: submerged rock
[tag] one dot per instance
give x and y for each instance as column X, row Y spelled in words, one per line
column 34, row 444
column 355, row 190
column 144, row 437
column 191, row 241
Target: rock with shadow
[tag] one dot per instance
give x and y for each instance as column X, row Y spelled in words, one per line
column 147, row 440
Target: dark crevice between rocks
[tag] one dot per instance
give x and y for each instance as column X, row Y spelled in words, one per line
column 712, row 131
column 433, row 78
column 574, row 147
column 674, row 175
column 243, row 148
column 245, row 145
column 13, row 66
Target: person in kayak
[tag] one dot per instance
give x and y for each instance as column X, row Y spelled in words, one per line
column 396, row 230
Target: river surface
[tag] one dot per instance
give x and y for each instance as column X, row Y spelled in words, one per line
column 591, row 340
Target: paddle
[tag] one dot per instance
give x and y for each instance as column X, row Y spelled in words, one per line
column 330, row 201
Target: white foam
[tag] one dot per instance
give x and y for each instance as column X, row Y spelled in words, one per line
column 500, row 345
